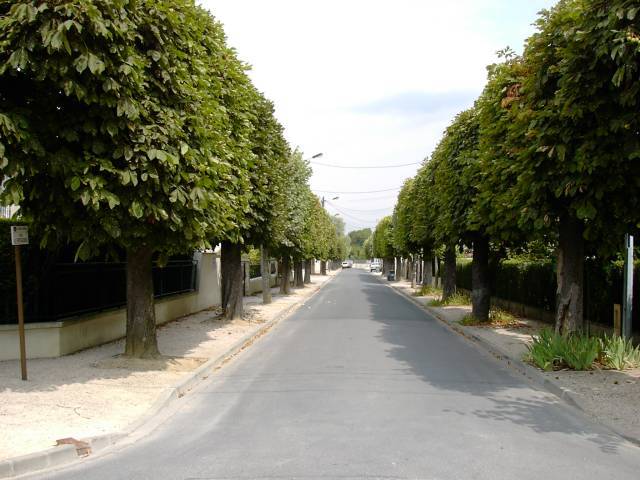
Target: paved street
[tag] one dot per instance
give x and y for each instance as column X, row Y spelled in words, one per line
column 360, row 383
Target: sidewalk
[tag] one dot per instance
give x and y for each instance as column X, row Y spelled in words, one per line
column 93, row 392
column 608, row 396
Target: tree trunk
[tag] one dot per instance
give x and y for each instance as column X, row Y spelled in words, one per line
column 570, row 276
column 412, row 272
column 427, row 273
column 480, row 291
column 285, row 284
column 313, row 266
column 449, row 274
column 141, row 339
column 323, row 267
column 307, row 271
column 232, row 277
column 298, row 275
column 436, row 272
column 265, row 272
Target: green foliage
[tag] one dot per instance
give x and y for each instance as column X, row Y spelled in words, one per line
column 559, row 134
column 358, row 239
column 120, row 123
column 618, row 353
column 383, row 239
column 552, row 351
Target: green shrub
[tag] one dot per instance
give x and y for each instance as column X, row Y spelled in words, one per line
column 551, row 351
column 580, row 351
column 545, row 350
column 618, row 353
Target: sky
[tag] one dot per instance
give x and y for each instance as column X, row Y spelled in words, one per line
column 370, row 83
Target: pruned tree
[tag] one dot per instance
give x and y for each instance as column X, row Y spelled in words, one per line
column 114, row 132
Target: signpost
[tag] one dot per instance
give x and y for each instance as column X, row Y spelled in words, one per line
column 627, row 296
column 19, row 237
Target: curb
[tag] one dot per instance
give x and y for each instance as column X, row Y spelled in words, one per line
column 67, row 454
column 531, row 373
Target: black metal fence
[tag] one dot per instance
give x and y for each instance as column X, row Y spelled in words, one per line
column 68, row 289
column 534, row 284
column 254, row 271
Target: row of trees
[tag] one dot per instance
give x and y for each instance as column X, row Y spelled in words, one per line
column 549, row 154
column 131, row 127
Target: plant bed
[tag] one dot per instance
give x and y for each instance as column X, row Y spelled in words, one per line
column 551, row 351
column 457, row 299
column 498, row 318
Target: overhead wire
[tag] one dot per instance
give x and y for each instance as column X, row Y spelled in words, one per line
column 359, row 193
column 360, row 167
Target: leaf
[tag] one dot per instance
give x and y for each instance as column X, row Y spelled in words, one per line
column 84, row 251
column 184, row 148
column 113, row 201
column 81, row 63
column 136, row 209
column 96, row 66
column 75, row 183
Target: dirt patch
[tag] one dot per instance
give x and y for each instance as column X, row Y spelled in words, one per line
column 162, row 364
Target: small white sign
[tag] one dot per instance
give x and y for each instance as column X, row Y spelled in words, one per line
column 19, row 235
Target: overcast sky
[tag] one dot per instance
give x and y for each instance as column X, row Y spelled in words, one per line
column 370, row 83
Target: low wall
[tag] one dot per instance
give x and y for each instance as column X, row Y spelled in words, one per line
column 255, row 284
column 54, row 339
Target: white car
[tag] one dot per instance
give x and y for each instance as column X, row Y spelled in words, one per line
column 375, row 267
column 346, row 264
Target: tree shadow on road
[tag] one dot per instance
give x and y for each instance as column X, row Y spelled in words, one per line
column 449, row 363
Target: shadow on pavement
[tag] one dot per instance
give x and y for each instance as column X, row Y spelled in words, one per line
column 447, row 362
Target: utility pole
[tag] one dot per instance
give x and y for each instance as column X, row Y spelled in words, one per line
column 627, row 295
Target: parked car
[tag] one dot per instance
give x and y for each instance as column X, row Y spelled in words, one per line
column 375, row 266
column 347, row 264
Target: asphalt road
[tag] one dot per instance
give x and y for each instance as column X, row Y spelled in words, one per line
column 361, row 383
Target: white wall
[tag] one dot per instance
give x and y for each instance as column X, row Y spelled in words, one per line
column 53, row 339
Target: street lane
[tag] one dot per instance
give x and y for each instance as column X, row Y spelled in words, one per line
column 361, row 383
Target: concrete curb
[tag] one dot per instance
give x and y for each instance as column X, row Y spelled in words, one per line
column 528, row 371
column 66, row 454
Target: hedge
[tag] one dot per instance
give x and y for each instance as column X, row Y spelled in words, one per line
column 534, row 284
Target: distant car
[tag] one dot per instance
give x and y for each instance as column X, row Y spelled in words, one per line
column 375, row 267
column 346, row 264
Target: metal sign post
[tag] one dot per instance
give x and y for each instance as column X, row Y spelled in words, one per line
column 627, row 296
column 20, row 236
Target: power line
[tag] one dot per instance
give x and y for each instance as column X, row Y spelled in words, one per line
column 371, row 210
column 358, row 193
column 348, row 215
column 368, row 199
column 358, row 167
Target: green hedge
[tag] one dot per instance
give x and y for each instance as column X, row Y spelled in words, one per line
column 534, row 284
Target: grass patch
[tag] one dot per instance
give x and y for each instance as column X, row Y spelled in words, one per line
column 426, row 290
column 497, row 318
column 457, row 299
